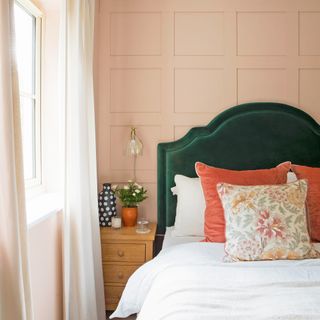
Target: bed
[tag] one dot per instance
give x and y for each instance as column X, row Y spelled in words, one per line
column 188, row 279
column 171, row 240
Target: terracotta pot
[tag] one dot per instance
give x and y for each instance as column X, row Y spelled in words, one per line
column 129, row 216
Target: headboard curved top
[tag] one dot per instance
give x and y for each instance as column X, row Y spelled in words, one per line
column 249, row 136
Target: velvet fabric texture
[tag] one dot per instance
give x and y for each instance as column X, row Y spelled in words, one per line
column 214, row 226
column 257, row 135
column 313, row 197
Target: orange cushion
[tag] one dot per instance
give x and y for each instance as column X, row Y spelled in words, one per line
column 214, row 226
column 313, row 197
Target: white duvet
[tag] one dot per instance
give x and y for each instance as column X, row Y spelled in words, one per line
column 190, row 282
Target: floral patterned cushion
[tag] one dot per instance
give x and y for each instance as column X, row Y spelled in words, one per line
column 266, row 222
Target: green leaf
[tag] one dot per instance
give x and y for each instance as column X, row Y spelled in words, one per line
column 288, row 220
column 298, row 219
column 131, row 194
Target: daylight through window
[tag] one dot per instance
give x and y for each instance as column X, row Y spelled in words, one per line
column 28, row 48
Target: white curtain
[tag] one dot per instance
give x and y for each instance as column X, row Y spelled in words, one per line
column 15, row 296
column 83, row 281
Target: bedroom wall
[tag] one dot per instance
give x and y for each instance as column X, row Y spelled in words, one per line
column 45, row 236
column 45, row 258
column 166, row 66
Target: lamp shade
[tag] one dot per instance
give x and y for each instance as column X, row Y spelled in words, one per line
column 134, row 146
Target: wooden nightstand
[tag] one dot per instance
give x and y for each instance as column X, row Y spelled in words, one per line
column 123, row 251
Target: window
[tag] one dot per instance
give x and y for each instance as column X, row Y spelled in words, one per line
column 28, row 51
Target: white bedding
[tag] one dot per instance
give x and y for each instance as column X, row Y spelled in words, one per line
column 171, row 240
column 190, row 282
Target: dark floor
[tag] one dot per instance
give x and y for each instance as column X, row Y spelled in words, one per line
column 108, row 313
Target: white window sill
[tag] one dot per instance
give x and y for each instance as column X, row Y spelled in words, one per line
column 42, row 207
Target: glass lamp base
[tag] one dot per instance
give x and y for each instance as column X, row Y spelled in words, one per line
column 147, row 230
column 142, row 226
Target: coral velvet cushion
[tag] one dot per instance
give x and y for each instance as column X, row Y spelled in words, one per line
column 266, row 222
column 313, row 197
column 214, row 226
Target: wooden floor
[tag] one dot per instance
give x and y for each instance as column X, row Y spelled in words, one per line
column 108, row 313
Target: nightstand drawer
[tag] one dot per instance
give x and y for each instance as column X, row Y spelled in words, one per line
column 123, row 252
column 118, row 273
column 112, row 296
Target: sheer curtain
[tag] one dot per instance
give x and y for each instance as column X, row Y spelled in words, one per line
column 15, row 296
column 83, row 281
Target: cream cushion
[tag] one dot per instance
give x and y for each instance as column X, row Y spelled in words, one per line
column 266, row 222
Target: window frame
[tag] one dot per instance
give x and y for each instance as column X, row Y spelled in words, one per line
column 32, row 9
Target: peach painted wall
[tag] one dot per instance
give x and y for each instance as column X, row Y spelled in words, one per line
column 166, row 66
column 51, row 115
column 45, row 250
column 45, row 258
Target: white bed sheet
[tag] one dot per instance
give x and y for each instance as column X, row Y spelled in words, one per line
column 190, row 282
column 170, row 240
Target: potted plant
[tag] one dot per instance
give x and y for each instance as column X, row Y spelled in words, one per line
column 130, row 196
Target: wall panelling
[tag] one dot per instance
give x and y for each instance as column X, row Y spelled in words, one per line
column 165, row 66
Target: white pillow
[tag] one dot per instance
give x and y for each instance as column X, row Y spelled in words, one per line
column 190, row 207
column 291, row 177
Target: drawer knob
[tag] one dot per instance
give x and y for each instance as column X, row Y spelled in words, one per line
column 120, row 275
column 120, row 253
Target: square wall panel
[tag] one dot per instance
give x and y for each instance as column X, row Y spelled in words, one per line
column 261, row 33
column 135, row 33
column 119, row 138
column 309, row 93
column 181, row 131
column 309, row 39
column 198, row 90
column 262, row 85
column 135, row 90
column 199, row 33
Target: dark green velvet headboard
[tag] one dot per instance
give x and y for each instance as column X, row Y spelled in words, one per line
column 248, row 136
